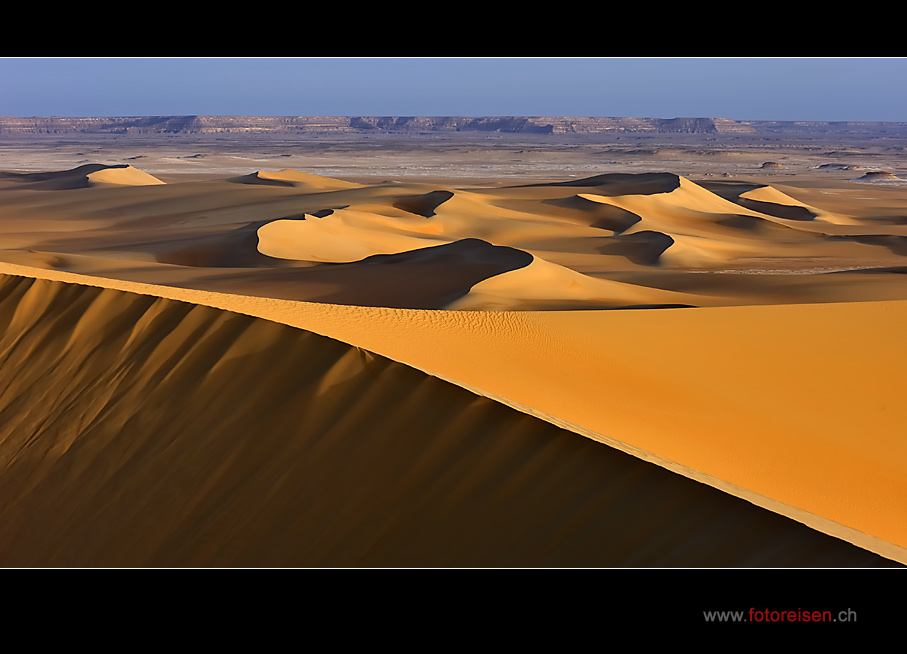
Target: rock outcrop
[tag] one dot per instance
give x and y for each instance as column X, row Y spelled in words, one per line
column 10, row 125
column 353, row 124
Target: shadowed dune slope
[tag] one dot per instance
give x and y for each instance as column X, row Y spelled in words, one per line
column 142, row 431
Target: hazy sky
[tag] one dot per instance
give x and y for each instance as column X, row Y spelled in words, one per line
column 739, row 88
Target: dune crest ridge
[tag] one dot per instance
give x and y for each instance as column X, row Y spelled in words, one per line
column 183, row 435
column 791, row 460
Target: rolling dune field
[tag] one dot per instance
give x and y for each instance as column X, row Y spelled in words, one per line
column 283, row 368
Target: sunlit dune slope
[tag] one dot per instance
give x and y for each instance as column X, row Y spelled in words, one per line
column 127, row 175
column 142, row 431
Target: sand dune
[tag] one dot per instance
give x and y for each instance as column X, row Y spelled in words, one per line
column 214, row 361
column 295, row 179
column 85, row 176
column 550, row 286
column 126, row 175
column 337, row 238
column 773, row 202
column 180, row 435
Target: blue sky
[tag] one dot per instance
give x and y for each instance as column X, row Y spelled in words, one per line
column 830, row 88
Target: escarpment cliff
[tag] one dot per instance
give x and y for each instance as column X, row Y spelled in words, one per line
column 12, row 125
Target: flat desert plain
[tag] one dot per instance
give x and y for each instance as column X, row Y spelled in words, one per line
column 452, row 351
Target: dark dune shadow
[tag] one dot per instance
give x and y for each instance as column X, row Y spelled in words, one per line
column 468, row 250
column 253, row 178
column 733, row 190
column 427, row 278
column 752, row 224
column 613, row 184
column 236, row 248
column 423, row 205
column 897, row 244
column 785, row 211
column 599, row 215
column 729, row 190
column 644, row 248
column 894, row 270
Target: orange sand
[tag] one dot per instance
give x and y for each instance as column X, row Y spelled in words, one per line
column 781, row 389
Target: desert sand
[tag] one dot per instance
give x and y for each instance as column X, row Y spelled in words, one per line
column 278, row 367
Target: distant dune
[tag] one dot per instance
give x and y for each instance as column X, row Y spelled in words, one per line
column 294, row 178
column 878, row 174
column 284, row 369
column 86, row 176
